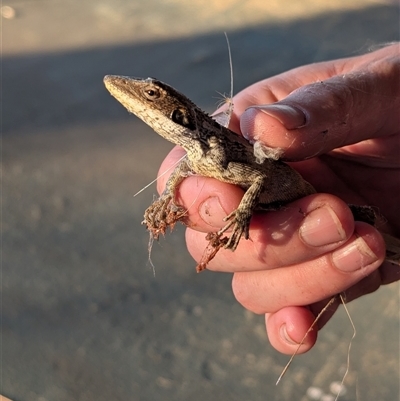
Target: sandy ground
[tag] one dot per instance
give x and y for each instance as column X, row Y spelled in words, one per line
column 83, row 316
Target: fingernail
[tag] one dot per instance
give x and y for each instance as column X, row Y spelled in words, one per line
column 354, row 256
column 285, row 336
column 322, row 227
column 211, row 212
column 289, row 116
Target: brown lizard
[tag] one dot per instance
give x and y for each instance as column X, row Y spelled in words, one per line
column 213, row 151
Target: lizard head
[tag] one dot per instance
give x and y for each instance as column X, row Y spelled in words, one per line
column 168, row 112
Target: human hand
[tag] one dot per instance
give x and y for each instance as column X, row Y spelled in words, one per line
column 341, row 119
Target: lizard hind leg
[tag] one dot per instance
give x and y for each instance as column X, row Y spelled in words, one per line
column 238, row 220
column 217, row 240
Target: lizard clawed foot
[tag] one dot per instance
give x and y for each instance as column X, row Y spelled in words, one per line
column 161, row 214
column 240, row 222
column 216, row 242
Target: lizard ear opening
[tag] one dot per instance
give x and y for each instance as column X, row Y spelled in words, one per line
column 181, row 117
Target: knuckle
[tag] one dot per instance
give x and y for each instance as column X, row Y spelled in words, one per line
column 241, row 290
column 245, row 292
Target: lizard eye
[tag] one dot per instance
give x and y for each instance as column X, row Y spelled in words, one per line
column 151, row 93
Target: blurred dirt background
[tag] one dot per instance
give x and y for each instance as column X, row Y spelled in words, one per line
column 83, row 316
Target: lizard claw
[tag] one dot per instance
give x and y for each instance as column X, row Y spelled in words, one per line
column 240, row 220
column 241, row 223
column 234, row 238
column 161, row 214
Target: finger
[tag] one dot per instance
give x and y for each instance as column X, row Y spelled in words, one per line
column 294, row 325
column 365, row 286
column 277, row 88
column 310, row 282
column 342, row 110
column 290, row 326
column 287, row 327
column 303, row 230
column 207, row 200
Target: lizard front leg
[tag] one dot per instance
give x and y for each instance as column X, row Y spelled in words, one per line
column 240, row 218
column 163, row 212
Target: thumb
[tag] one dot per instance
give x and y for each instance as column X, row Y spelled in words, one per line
column 325, row 115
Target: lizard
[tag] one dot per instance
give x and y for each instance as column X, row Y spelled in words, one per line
column 213, row 150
